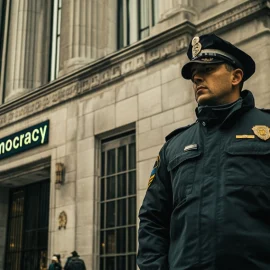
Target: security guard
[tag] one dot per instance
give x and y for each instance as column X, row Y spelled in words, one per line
column 207, row 205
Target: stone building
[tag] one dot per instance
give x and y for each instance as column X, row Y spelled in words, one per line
column 88, row 91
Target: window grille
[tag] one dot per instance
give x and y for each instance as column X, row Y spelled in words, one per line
column 118, row 204
column 27, row 239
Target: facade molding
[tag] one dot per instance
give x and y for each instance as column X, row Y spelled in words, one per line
column 24, row 171
column 235, row 15
column 127, row 61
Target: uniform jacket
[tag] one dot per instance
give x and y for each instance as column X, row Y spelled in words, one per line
column 208, row 206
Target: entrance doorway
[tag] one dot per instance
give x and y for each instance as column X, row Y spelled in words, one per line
column 27, row 239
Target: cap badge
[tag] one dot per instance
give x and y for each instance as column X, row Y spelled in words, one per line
column 196, row 46
column 195, row 40
column 262, row 132
column 207, row 59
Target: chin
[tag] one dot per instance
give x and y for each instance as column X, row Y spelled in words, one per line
column 206, row 101
column 202, row 101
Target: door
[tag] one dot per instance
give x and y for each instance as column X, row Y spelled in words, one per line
column 27, row 239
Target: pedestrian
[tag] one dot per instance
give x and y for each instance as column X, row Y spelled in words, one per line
column 55, row 265
column 74, row 262
column 207, row 205
column 59, row 259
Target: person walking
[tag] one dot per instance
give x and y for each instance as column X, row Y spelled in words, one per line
column 74, row 262
column 207, row 205
column 55, row 265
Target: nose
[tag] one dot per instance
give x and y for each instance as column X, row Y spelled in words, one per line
column 197, row 78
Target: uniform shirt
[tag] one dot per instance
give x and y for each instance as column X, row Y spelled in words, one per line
column 208, row 202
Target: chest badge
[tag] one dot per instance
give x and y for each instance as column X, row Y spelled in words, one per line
column 262, row 132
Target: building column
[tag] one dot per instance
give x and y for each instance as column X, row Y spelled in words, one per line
column 88, row 34
column 28, row 47
column 174, row 12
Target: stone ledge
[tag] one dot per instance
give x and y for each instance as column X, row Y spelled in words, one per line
column 99, row 73
column 120, row 64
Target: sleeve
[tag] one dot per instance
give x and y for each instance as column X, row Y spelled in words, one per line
column 84, row 266
column 154, row 215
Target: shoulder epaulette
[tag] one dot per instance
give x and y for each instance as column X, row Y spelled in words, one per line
column 175, row 132
column 265, row 110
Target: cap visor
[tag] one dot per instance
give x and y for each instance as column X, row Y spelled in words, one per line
column 186, row 69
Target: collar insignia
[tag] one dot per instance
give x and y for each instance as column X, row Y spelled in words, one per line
column 262, row 132
column 196, row 46
column 191, row 147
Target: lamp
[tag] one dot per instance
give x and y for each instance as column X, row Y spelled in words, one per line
column 59, row 171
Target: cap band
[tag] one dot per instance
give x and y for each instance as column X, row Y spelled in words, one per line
column 218, row 54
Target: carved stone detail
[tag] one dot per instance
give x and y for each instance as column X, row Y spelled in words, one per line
column 45, row 99
column 229, row 17
column 62, row 220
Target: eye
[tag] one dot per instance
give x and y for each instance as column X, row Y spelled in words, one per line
column 209, row 69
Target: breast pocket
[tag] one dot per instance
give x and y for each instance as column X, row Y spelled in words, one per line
column 182, row 170
column 248, row 163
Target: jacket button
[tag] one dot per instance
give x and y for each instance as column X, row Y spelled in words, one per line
column 203, row 123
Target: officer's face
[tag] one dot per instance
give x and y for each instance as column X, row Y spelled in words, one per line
column 212, row 84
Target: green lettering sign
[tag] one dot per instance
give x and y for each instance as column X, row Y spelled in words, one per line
column 24, row 140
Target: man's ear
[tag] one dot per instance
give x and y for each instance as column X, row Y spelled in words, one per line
column 237, row 76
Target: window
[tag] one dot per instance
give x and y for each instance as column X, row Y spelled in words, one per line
column 148, row 14
column 118, row 204
column 135, row 19
column 55, row 47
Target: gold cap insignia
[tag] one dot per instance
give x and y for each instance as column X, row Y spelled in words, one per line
column 207, row 59
column 196, row 46
column 195, row 40
column 262, row 132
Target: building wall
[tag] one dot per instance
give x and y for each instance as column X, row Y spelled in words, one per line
column 141, row 86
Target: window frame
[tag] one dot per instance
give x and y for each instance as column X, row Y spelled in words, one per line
column 55, row 39
column 115, row 143
column 131, row 30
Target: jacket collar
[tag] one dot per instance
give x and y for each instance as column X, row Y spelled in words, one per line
column 225, row 115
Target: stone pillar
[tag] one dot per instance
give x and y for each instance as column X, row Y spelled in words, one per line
column 3, row 223
column 28, row 47
column 173, row 12
column 88, row 34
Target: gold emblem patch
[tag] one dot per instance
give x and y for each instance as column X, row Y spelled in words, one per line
column 262, row 132
column 154, row 171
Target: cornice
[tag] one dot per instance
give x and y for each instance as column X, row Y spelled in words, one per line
column 100, row 73
column 236, row 15
column 125, row 62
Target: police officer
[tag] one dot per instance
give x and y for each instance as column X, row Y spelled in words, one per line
column 207, row 205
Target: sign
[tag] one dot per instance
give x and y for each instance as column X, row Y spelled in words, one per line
column 24, row 140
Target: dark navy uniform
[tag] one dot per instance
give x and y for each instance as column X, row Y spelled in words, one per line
column 208, row 201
